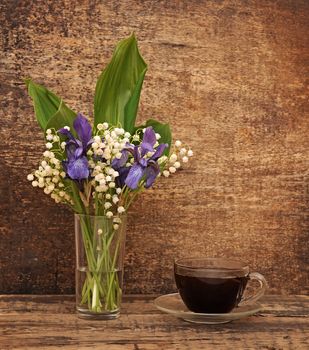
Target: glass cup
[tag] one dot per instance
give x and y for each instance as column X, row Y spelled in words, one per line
column 99, row 266
column 215, row 285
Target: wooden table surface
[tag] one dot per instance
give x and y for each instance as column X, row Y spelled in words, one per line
column 50, row 322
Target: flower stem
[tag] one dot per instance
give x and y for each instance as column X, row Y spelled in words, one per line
column 101, row 290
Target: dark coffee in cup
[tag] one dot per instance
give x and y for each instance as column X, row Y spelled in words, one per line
column 214, row 285
column 210, row 295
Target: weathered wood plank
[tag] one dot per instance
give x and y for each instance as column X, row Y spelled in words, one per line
column 49, row 322
column 229, row 76
column 136, row 304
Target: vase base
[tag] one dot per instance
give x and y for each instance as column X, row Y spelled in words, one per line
column 88, row 315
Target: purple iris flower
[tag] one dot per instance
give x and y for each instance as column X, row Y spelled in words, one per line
column 76, row 166
column 142, row 166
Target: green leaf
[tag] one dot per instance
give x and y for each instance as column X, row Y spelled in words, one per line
column 163, row 129
column 45, row 102
column 64, row 116
column 78, row 204
column 50, row 110
column 119, row 86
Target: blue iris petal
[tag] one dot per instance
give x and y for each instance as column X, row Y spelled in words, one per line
column 134, row 176
column 123, row 173
column 78, row 168
column 83, row 129
column 118, row 163
column 143, row 167
column 151, row 174
column 159, row 151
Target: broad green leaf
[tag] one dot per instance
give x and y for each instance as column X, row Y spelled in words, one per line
column 50, row 110
column 132, row 106
column 119, row 86
column 163, row 129
column 45, row 102
column 64, row 116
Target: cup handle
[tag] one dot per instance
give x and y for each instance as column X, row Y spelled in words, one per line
column 259, row 293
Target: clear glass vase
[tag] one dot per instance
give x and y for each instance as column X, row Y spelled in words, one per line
column 100, row 243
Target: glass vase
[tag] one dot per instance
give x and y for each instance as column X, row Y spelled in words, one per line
column 100, row 243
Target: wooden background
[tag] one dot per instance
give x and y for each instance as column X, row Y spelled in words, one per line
column 229, row 76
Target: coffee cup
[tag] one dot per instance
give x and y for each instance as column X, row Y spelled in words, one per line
column 215, row 285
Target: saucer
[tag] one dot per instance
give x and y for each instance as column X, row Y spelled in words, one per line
column 173, row 304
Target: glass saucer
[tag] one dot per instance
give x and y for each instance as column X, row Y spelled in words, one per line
column 173, row 304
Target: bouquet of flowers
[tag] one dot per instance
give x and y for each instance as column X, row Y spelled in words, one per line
column 99, row 170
